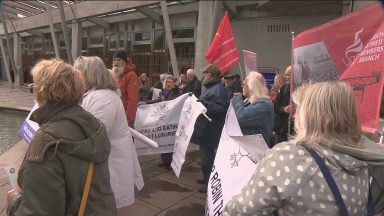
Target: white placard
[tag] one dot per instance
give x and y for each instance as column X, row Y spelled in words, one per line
column 236, row 160
column 191, row 110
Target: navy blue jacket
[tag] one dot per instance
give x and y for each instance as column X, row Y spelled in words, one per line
column 255, row 118
column 215, row 100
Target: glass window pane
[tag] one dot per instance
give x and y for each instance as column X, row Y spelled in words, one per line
column 96, row 40
column 159, row 39
column 121, row 40
column 183, row 33
column 129, row 36
column 142, row 36
column 84, row 44
column 113, row 42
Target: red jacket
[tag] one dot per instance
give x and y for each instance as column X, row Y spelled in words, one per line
column 129, row 86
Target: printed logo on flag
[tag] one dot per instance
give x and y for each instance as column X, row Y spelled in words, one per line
column 354, row 49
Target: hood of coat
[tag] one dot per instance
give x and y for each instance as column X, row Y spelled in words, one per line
column 70, row 129
column 353, row 159
column 345, row 161
column 130, row 67
column 368, row 151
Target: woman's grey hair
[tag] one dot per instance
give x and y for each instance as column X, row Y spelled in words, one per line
column 326, row 114
column 95, row 73
column 257, row 86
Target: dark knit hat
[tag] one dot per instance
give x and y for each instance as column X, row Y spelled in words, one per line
column 121, row 54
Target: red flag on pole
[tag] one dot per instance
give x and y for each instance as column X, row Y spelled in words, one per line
column 223, row 52
column 349, row 49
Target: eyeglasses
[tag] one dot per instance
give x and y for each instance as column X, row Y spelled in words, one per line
column 30, row 87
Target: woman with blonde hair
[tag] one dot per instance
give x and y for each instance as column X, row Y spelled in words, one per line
column 328, row 151
column 68, row 151
column 102, row 100
column 256, row 114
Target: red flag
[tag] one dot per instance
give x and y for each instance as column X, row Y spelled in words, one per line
column 223, row 52
column 348, row 49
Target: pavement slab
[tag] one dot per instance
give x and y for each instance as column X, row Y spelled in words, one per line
column 139, row 208
column 191, row 206
column 162, row 193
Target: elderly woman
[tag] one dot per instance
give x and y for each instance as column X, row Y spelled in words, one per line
column 256, row 115
column 102, row 100
column 68, row 147
column 289, row 178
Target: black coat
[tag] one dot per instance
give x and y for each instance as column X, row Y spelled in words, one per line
column 215, row 100
column 281, row 120
column 194, row 86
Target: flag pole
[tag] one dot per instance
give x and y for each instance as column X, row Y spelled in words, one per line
column 241, row 72
column 290, row 88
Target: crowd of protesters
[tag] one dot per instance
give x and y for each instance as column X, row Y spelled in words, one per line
column 85, row 112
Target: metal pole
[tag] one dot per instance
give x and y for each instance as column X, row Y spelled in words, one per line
column 6, row 61
column 65, row 32
column 53, row 34
column 8, row 42
column 290, row 102
column 168, row 35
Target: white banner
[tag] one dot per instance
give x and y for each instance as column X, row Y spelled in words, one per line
column 159, row 123
column 236, row 160
column 28, row 128
column 191, row 110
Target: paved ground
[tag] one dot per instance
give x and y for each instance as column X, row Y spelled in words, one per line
column 163, row 193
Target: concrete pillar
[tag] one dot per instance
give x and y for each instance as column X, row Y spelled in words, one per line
column 8, row 40
column 217, row 15
column 5, row 61
column 65, row 32
column 168, row 35
column 54, row 38
column 19, row 75
column 202, row 35
column 76, row 39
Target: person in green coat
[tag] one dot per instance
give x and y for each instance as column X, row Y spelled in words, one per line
column 54, row 171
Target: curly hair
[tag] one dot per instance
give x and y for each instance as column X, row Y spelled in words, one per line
column 57, row 81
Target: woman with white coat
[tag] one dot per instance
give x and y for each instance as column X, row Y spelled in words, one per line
column 103, row 101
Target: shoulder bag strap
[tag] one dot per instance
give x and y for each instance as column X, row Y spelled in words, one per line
column 86, row 189
column 330, row 181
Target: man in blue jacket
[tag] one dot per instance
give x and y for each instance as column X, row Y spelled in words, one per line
column 207, row 134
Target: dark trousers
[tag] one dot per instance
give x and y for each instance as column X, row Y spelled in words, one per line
column 166, row 158
column 207, row 155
